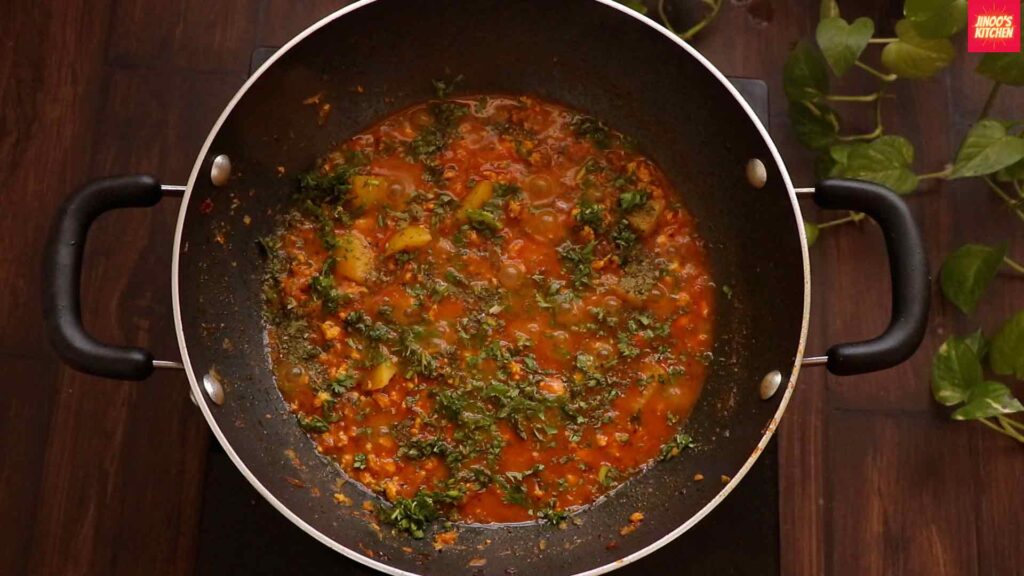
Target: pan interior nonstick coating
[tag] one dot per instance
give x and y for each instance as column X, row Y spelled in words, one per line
column 382, row 57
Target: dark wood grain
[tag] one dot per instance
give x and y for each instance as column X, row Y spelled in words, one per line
column 97, row 477
column 50, row 79
column 923, row 531
column 100, row 477
column 24, row 428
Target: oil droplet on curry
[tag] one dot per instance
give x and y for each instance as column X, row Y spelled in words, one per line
column 489, row 309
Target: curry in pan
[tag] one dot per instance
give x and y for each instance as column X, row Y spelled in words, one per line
column 489, row 309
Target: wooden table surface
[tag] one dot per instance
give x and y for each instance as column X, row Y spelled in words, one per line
column 104, row 477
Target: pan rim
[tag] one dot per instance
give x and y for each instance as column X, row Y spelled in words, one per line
column 201, row 398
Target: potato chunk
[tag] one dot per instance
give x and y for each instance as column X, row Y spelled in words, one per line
column 477, row 197
column 354, row 257
column 381, row 375
column 408, row 238
column 645, row 217
column 330, row 330
column 369, row 191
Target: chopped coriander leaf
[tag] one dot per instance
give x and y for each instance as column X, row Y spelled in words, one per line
column 507, row 191
column 322, row 287
column 417, row 448
column 552, row 515
column 444, row 88
column 327, row 235
column 318, row 187
column 483, row 220
column 433, row 173
column 630, row 200
column 624, row 238
column 626, row 346
column 673, row 447
column 417, row 358
column 313, row 424
column 341, row 383
column 452, row 276
column 358, row 321
column 435, row 137
column 480, row 106
column 511, row 483
column 590, row 214
column 411, row 515
column 578, row 260
column 585, row 362
column 592, row 129
column 359, row 461
column 428, row 143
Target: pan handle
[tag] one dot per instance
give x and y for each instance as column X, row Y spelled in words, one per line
column 908, row 266
column 62, row 270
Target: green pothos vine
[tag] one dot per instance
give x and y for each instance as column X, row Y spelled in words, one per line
column 964, row 367
column 711, row 8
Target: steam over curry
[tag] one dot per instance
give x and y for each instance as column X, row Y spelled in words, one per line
column 490, row 309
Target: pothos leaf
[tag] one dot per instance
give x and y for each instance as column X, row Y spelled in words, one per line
column 816, row 125
column 967, row 273
column 956, row 369
column 811, row 230
column 804, row 76
column 827, row 165
column 842, row 43
column 885, row 161
column 1007, row 68
column 828, row 9
column 840, row 153
column 913, row 56
column 936, row 18
column 976, row 340
column 987, row 149
column 986, row 400
column 1006, row 353
column 1012, row 172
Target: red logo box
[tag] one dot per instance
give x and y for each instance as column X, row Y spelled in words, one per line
column 993, row 26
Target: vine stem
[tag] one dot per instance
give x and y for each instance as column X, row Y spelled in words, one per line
column 1006, row 420
column 664, row 17
column 882, row 40
column 1016, row 266
column 878, row 131
column 853, row 217
column 1004, row 430
column 865, row 98
column 880, row 75
column 990, row 100
column 715, row 5
column 1006, row 197
column 856, row 137
column 1008, row 425
column 940, row 174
